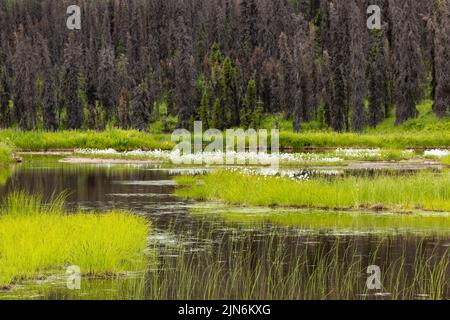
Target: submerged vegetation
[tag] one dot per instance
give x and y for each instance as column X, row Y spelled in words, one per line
column 38, row 239
column 423, row 191
column 338, row 222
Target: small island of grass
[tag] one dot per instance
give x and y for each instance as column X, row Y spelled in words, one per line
column 423, row 191
column 38, row 240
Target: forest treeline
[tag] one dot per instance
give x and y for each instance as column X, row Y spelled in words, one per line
column 225, row 62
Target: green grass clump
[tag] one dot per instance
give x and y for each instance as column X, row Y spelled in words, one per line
column 424, row 191
column 6, row 157
column 446, row 160
column 38, row 239
column 6, row 152
column 120, row 140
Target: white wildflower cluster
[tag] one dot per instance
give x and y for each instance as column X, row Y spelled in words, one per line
column 240, row 158
column 308, row 157
column 268, row 172
column 250, row 157
column 151, row 154
column 359, row 153
column 97, row 151
column 219, row 157
column 176, row 156
column 436, row 153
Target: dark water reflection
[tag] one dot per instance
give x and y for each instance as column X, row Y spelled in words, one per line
column 207, row 258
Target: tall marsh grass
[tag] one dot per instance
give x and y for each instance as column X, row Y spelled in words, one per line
column 38, row 239
column 6, row 151
column 424, row 191
column 395, row 140
column 306, row 269
column 121, row 140
column 241, row 270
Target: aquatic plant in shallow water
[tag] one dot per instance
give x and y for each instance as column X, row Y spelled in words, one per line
column 313, row 221
column 285, row 266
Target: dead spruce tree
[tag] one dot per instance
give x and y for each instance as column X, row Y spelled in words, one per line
column 441, row 31
column 408, row 58
column 377, row 79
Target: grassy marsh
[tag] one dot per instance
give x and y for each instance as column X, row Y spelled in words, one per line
column 38, row 239
column 423, row 191
column 123, row 140
column 207, row 258
column 280, row 266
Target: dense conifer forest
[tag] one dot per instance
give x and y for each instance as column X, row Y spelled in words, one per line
column 227, row 63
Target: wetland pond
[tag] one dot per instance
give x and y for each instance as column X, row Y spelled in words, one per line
column 198, row 251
